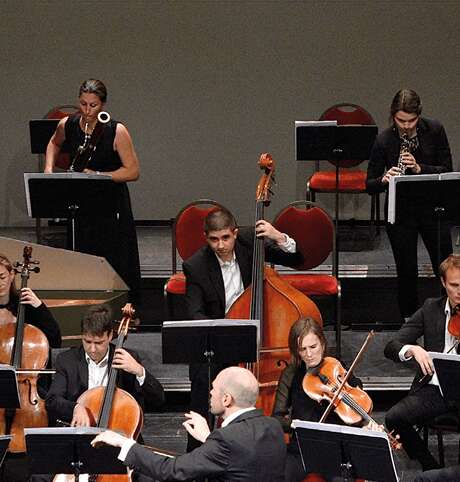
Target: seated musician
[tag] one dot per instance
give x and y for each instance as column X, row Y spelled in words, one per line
column 307, row 348
column 37, row 314
column 424, row 399
column 249, row 447
column 218, row 273
column 83, row 368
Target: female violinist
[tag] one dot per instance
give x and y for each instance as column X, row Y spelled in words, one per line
column 111, row 153
column 307, row 347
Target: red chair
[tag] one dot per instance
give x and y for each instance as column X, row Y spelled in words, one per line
column 314, row 232
column 350, row 181
column 187, row 237
column 59, row 112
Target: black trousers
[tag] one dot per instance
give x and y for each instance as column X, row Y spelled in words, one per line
column 419, row 406
column 403, row 239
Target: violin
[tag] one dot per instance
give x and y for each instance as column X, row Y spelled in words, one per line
column 454, row 322
column 352, row 404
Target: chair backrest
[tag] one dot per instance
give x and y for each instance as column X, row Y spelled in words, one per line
column 313, row 230
column 63, row 161
column 348, row 114
column 188, row 232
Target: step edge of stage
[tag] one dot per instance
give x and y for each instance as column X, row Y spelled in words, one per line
column 345, row 270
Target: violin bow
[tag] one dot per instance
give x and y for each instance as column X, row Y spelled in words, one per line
column 346, row 377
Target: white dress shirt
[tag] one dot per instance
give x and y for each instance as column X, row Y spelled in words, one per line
column 231, row 274
column 449, row 343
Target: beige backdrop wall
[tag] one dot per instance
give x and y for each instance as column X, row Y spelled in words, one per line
column 205, row 87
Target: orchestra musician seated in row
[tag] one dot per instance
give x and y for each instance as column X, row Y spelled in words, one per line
column 110, row 236
column 424, row 399
column 36, row 314
column 80, row 369
column 249, row 447
column 307, row 349
column 85, row 367
column 218, row 273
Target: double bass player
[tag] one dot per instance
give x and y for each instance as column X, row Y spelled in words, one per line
column 218, row 273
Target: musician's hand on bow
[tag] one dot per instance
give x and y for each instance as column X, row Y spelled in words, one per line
column 123, row 360
column 28, row 297
column 374, row 426
column 422, row 357
column 80, row 417
column 394, row 171
column 109, row 437
column 196, row 426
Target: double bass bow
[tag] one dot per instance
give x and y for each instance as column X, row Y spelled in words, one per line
column 26, row 348
column 271, row 300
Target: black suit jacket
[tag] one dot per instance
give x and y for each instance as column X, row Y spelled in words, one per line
column 430, row 322
column 250, row 449
column 71, row 380
column 205, row 294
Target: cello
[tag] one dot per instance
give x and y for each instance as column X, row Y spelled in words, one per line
column 26, row 348
column 111, row 407
column 271, row 300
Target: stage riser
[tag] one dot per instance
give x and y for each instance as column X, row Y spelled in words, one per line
column 377, row 372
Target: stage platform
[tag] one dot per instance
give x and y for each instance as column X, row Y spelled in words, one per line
column 369, row 302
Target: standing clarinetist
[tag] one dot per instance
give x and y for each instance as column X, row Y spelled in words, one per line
column 411, row 145
column 101, row 145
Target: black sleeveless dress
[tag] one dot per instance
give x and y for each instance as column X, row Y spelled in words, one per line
column 110, row 236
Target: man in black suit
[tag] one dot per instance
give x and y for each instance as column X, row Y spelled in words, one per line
column 80, row 369
column 424, row 399
column 218, row 273
column 248, row 447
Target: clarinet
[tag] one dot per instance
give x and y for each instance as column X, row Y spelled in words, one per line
column 405, row 147
column 86, row 150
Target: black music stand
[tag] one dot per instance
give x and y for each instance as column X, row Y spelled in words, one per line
column 9, row 394
column 70, row 195
column 41, row 131
column 69, row 451
column 210, row 341
column 447, row 366
column 325, row 140
column 347, row 452
column 408, row 193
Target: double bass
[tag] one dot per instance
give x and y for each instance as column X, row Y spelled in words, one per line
column 26, row 348
column 271, row 300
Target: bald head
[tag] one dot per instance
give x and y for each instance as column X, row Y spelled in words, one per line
column 241, row 384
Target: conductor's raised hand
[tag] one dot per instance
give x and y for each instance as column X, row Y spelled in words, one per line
column 123, row 360
column 196, row 426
